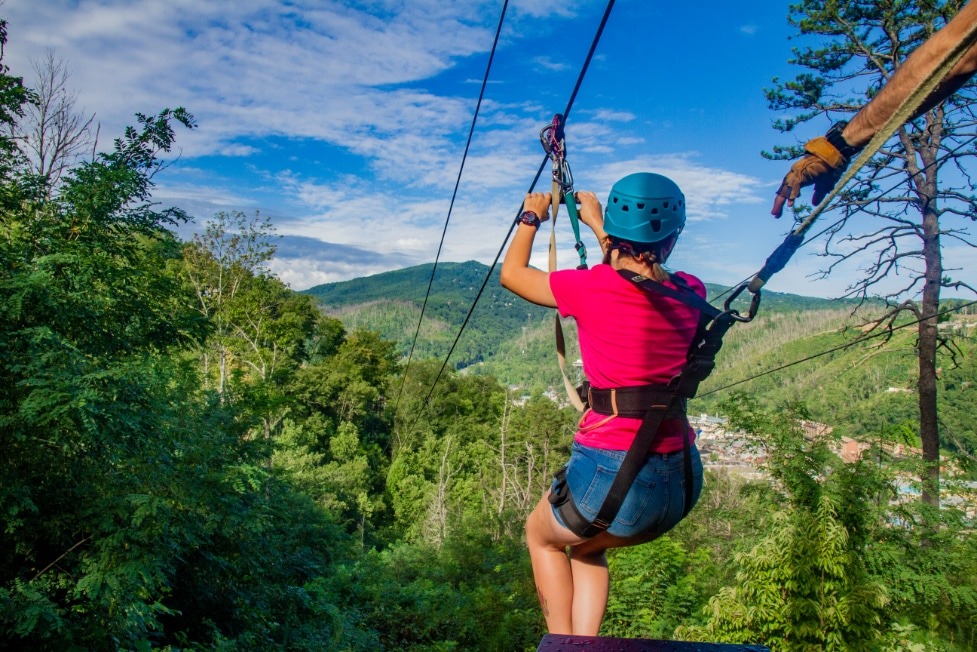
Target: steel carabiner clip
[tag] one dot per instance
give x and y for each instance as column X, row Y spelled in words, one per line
column 735, row 314
column 553, row 141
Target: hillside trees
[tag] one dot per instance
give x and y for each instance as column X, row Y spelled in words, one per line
column 137, row 511
column 804, row 584
column 913, row 193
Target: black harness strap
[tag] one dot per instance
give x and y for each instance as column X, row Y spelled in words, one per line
column 653, row 403
column 633, row 402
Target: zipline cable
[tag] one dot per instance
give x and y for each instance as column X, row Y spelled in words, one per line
column 539, row 172
column 451, row 205
column 846, row 345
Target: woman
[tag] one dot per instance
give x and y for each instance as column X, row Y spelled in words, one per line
column 628, row 338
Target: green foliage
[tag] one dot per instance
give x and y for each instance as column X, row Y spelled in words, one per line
column 14, row 96
column 929, row 576
column 138, row 513
column 656, row 588
column 805, row 584
column 471, row 593
column 802, row 587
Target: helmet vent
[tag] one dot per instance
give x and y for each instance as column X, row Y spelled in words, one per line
column 654, row 211
column 656, row 225
column 641, row 207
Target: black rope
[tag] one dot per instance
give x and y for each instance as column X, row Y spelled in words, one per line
column 451, row 206
column 539, row 172
column 846, row 345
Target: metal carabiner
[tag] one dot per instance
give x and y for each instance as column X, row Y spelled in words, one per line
column 563, row 176
column 551, row 137
column 554, row 144
column 754, row 304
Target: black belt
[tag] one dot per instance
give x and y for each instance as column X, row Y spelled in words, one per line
column 634, row 402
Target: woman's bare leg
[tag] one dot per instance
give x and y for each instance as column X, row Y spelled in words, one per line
column 591, row 581
column 572, row 589
column 547, row 541
column 590, row 587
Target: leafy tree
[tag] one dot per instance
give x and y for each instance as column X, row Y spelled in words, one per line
column 471, row 593
column 657, row 587
column 913, row 188
column 805, row 584
column 232, row 251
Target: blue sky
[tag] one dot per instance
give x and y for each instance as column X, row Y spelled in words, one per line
column 345, row 122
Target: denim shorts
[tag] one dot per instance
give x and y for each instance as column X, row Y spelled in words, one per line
column 656, row 501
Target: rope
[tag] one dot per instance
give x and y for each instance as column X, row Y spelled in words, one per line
column 451, row 206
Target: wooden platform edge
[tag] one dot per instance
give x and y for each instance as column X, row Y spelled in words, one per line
column 567, row 643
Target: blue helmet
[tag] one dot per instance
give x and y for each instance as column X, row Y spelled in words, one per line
column 644, row 208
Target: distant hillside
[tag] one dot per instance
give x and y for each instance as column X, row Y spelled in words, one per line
column 455, row 285
column 862, row 390
column 390, row 304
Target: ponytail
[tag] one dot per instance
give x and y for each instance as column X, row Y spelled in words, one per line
column 653, row 254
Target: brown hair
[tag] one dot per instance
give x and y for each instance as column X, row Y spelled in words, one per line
column 653, row 254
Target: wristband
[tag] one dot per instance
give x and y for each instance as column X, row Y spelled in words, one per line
column 529, row 218
column 835, row 138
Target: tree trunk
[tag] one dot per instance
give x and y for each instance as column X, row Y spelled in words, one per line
column 928, row 421
column 925, row 181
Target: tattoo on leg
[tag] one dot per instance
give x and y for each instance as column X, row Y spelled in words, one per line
column 542, row 602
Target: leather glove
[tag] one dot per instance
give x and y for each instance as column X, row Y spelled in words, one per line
column 822, row 166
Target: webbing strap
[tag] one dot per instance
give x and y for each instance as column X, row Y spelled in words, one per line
column 906, row 109
column 682, row 292
column 561, row 346
column 575, row 225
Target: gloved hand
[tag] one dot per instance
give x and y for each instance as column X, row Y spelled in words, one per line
column 822, row 166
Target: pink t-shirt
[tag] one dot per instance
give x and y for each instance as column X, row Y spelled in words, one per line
column 628, row 337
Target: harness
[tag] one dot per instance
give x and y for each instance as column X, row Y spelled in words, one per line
column 651, row 403
column 654, row 403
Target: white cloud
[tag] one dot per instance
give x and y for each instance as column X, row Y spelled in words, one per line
column 255, row 68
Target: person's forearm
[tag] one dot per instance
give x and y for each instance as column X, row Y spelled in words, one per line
column 867, row 122
column 518, row 254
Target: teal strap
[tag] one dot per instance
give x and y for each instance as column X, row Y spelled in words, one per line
column 575, row 225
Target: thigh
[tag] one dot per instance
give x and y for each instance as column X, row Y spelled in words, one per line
column 655, row 502
column 544, row 529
